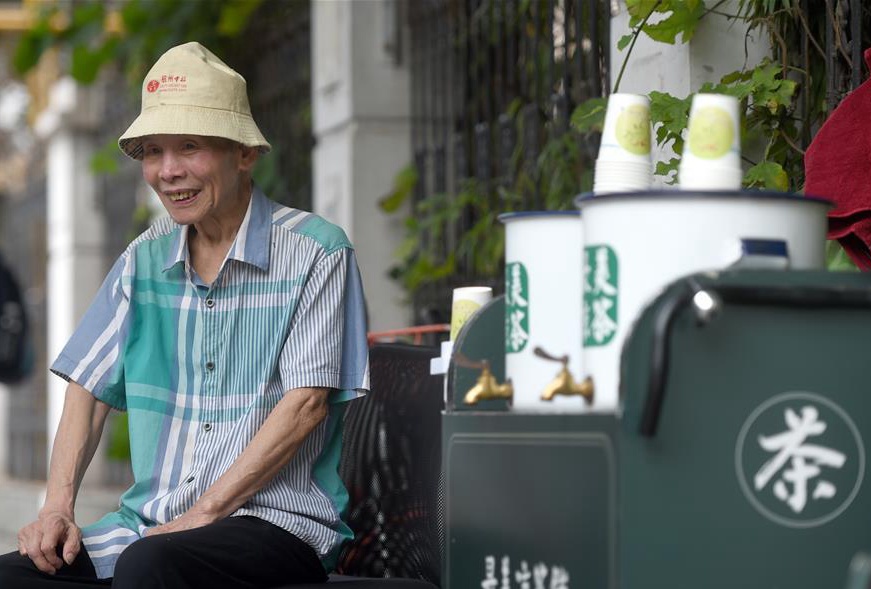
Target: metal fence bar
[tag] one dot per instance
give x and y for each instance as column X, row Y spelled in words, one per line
column 517, row 69
column 843, row 45
column 855, row 43
column 274, row 56
column 805, row 104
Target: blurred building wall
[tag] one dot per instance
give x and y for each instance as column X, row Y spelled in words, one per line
column 361, row 101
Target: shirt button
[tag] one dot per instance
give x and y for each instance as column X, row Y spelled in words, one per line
column 210, row 303
column 210, row 365
column 207, row 427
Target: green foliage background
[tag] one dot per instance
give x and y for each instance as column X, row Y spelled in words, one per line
column 150, row 27
column 772, row 128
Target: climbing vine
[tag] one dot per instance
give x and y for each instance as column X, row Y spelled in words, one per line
column 782, row 101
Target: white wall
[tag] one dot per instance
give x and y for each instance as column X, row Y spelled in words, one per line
column 717, row 49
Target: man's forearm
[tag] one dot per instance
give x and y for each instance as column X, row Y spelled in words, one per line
column 292, row 420
column 75, row 442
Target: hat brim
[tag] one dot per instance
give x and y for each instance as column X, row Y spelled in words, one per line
column 175, row 119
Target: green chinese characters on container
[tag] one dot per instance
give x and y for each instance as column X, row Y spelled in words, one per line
column 601, row 295
column 516, row 307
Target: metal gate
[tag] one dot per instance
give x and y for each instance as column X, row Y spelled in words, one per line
column 492, row 82
column 274, row 57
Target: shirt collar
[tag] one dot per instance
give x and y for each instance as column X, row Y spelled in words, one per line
column 252, row 243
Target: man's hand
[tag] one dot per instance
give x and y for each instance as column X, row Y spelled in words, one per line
column 40, row 540
column 187, row 521
column 78, row 434
column 291, row 421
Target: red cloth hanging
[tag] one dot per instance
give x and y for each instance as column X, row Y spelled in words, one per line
column 838, row 167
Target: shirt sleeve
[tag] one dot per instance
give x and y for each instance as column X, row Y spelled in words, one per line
column 93, row 356
column 326, row 345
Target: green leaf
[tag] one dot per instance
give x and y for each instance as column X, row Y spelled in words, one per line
column 738, row 89
column 771, row 91
column 88, row 13
column 408, row 248
column 590, row 115
column 624, row 41
column 736, row 76
column 424, row 271
column 668, row 170
column 106, row 160
column 837, row 259
column 268, row 171
column 683, row 20
column 767, row 175
column 28, row 51
column 403, row 187
column 86, row 63
column 235, row 15
column 669, row 116
column 134, row 16
column 32, row 44
column 639, row 9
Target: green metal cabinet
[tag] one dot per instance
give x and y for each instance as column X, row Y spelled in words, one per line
column 739, row 458
column 529, row 498
column 745, row 435
column 533, row 495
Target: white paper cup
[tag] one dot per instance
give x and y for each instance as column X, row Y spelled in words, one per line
column 467, row 300
column 712, row 152
column 626, row 135
column 622, row 176
column 711, row 178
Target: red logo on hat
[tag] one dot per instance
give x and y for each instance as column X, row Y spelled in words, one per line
column 152, row 85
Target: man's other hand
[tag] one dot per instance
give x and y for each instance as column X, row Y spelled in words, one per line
column 40, row 540
column 187, row 521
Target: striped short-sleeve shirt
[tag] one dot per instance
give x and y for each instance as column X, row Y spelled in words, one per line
column 199, row 367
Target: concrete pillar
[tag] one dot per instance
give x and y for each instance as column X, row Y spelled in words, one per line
column 361, row 118
column 76, row 231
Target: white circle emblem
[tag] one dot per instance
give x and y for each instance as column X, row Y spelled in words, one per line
column 786, row 452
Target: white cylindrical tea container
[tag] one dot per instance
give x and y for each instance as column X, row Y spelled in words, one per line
column 542, row 304
column 636, row 243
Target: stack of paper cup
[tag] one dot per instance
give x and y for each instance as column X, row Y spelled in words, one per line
column 467, row 300
column 624, row 162
column 712, row 152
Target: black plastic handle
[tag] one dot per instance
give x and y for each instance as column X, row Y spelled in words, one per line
column 780, row 296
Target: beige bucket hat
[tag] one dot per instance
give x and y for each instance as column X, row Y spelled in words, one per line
column 189, row 91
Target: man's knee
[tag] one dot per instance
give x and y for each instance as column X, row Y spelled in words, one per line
column 15, row 570
column 143, row 563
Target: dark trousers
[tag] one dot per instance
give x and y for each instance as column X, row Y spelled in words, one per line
column 235, row 552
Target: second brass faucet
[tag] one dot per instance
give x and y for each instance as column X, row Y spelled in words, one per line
column 564, row 383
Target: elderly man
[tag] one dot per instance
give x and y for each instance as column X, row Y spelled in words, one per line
column 232, row 333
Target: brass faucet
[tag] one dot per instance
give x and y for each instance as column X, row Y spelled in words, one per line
column 564, row 383
column 486, row 387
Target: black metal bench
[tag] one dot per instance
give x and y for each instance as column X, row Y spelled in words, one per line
column 391, row 466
